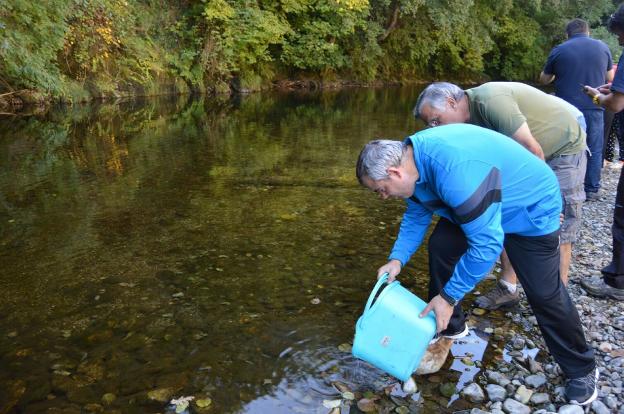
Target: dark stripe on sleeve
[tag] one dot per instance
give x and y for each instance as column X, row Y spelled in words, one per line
column 433, row 205
column 488, row 192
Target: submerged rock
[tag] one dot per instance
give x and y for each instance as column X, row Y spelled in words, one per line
column 473, row 393
column 514, row 407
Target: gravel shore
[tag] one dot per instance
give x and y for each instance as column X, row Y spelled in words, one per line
column 523, row 385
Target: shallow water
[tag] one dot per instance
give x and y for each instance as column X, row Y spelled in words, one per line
column 207, row 248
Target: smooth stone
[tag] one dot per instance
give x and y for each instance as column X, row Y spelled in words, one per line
column 478, row 411
column 162, row 395
column 108, row 398
column 496, row 392
column 514, row 407
column 540, row 398
column 447, row 389
column 473, row 393
column 599, row 407
column 535, row 366
column 497, row 378
column 523, row 394
column 571, row 409
column 605, row 347
column 535, row 381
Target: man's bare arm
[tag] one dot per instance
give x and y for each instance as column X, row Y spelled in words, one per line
column 523, row 136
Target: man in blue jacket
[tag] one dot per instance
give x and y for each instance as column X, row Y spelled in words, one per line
column 489, row 193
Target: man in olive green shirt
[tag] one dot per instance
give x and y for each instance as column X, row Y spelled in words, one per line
column 547, row 126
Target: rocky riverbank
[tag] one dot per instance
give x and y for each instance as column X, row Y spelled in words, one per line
column 522, row 385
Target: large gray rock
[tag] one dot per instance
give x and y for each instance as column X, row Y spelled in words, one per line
column 496, row 392
column 571, row 409
column 540, row 398
column 514, row 407
column 599, row 407
column 523, row 394
column 497, row 378
column 535, row 381
column 477, row 411
column 473, row 393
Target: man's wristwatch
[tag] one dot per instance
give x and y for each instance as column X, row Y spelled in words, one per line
column 596, row 100
column 447, row 298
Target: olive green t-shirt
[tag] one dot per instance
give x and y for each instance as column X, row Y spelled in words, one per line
column 505, row 106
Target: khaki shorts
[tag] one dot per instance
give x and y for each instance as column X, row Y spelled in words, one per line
column 570, row 172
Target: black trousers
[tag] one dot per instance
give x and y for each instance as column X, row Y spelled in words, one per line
column 613, row 274
column 536, row 262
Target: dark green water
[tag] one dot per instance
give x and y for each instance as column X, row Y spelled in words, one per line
column 185, row 245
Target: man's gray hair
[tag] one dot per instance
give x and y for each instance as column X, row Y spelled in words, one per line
column 436, row 96
column 377, row 156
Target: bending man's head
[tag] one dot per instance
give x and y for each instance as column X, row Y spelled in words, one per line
column 385, row 167
column 442, row 103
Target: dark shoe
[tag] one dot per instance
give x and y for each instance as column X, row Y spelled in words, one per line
column 451, row 335
column 584, row 390
column 597, row 287
column 592, row 196
column 498, row 297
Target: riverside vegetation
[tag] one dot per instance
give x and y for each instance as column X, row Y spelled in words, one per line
column 74, row 50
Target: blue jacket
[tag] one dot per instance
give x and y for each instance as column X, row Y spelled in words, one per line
column 486, row 183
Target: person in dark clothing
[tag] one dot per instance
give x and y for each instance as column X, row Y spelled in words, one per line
column 611, row 284
column 581, row 60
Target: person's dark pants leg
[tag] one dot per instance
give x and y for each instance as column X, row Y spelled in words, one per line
column 446, row 245
column 595, row 140
column 608, row 121
column 613, row 274
column 536, row 262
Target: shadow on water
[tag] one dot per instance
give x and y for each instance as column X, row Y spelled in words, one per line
column 211, row 248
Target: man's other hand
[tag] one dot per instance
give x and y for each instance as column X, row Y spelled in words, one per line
column 442, row 309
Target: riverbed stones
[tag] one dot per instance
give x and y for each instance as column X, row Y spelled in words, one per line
column 539, row 398
column 108, row 398
column 535, row 381
column 599, row 407
column 512, row 406
column 523, row 394
column 496, row 392
column 571, row 409
column 497, row 378
column 162, row 395
column 473, row 393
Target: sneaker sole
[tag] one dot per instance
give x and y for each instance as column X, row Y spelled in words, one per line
column 593, row 396
column 497, row 306
column 460, row 335
column 601, row 294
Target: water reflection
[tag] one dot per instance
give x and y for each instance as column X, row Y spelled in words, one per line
column 183, row 246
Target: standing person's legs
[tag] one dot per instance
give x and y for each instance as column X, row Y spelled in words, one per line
column 446, row 245
column 608, row 121
column 612, row 283
column 595, row 140
column 536, row 260
column 570, row 172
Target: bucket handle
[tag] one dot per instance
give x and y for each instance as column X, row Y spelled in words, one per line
column 383, row 279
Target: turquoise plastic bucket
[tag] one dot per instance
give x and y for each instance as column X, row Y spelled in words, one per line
column 389, row 335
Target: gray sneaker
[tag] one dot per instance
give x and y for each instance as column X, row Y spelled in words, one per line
column 597, row 287
column 592, row 196
column 498, row 297
column 583, row 390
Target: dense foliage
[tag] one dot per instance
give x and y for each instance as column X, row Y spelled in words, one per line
column 74, row 49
